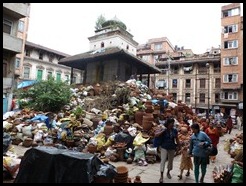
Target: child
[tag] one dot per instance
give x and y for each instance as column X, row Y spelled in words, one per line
column 186, row 162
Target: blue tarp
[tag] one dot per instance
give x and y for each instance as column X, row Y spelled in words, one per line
column 24, row 84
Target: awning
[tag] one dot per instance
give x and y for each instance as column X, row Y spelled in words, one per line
column 240, row 105
column 24, row 84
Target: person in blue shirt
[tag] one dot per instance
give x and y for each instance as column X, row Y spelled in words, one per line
column 198, row 143
column 169, row 144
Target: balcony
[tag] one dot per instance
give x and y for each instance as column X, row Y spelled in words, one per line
column 16, row 10
column 11, row 43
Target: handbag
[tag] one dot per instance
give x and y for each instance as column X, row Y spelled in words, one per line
column 211, row 150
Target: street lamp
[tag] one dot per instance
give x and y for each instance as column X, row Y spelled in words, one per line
column 207, row 65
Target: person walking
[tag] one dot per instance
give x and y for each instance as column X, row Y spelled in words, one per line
column 169, row 143
column 198, row 143
column 229, row 125
column 239, row 122
column 186, row 161
column 214, row 133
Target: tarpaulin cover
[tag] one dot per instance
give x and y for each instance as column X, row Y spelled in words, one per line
column 6, row 142
column 26, row 84
column 45, row 164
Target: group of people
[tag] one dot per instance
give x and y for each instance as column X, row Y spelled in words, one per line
column 195, row 147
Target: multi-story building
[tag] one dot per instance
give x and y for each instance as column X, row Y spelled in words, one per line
column 12, row 45
column 22, row 33
column 113, row 34
column 41, row 62
column 152, row 51
column 191, row 78
column 231, row 58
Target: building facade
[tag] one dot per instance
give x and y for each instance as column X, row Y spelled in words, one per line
column 41, row 62
column 191, row 78
column 113, row 34
column 151, row 52
column 22, row 33
column 231, row 58
column 12, row 45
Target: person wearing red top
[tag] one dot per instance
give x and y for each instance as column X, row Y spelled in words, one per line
column 214, row 133
column 205, row 124
column 229, row 125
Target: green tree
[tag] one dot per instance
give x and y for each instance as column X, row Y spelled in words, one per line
column 100, row 20
column 48, row 95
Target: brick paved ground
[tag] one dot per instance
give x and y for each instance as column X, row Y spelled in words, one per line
column 150, row 173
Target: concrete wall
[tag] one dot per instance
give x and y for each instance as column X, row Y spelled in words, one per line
column 112, row 41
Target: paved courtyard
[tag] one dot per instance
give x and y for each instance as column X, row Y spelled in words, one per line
column 150, row 173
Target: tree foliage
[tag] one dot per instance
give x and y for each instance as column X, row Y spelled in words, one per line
column 100, row 20
column 48, row 95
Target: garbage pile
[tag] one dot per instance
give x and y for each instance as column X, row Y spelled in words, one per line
column 114, row 121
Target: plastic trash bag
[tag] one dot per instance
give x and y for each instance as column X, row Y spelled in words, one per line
column 6, row 142
column 237, row 176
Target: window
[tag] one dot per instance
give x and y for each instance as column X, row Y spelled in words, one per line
column 26, row 72
column 217, row 82
column 156, row 58
column 21, row 26
column 127, row 47
column 230, row 61
column 161, row 84
column 39, row 75
column 230, row 44
column 230, row 78
column 102, row 44
column 28, row 52
column 49, row 75
column 145, row 57
column 175, row 83
column 229, row 95
column 202, row 98
column 202, row 69
column 51, row 58
column 17, row 62
column 187, row 97
column 202, row 83
column 175, row 70
column 41, row 55
column 217, row 68
column 7, row 26
column 230, row 29
column 74, row 79
column 231, row 12
column 58, row 76
column 175, row 97
column 158, row 46
column 67, row 78
column 187, row 83
column 187, row 69
column 217, row 97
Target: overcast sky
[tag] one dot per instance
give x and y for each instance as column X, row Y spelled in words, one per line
column 65, row 27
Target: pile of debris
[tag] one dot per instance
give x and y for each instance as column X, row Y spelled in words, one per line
column 114, row 121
